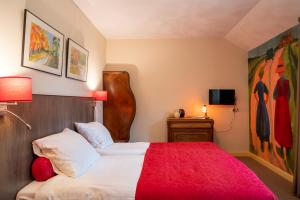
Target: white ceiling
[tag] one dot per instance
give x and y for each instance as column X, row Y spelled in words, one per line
column 243, row 22
column 266, row 20
column 164, row 18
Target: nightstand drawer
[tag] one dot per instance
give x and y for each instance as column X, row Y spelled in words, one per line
column 191, row 125
column 191, row 137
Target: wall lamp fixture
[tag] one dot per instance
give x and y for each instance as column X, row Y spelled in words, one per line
column 14, row 89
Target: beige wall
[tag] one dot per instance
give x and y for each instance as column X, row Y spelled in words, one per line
column 69, row 20
column 170, row 74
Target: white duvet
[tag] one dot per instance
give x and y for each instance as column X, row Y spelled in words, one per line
column 109, row 178
column 134, row 148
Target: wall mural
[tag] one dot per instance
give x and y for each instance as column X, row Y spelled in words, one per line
column 272, row 78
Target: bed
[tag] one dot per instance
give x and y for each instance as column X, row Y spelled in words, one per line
column 166, row 171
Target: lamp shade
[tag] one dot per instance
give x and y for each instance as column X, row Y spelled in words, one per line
column 15, row 89
column 100, row 95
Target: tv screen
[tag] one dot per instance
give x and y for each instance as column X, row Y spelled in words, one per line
column 221, row 97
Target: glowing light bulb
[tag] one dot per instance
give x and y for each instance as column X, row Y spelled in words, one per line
column 92, row 83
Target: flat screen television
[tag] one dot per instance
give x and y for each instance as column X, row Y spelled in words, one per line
column 221, row 96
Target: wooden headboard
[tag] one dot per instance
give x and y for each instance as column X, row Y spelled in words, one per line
column 47, row 115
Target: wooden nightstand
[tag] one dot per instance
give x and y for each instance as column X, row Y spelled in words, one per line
column 190, row 129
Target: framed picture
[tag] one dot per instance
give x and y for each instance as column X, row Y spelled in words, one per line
column 42, row 45
column 77, row 61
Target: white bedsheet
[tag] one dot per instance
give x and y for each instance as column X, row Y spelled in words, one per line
column 110, row 178
column 132, row 148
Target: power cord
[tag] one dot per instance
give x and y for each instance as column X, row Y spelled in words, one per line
column 234, row 110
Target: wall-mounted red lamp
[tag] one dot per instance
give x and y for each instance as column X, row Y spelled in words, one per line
column 99, row 96
column 14, row 89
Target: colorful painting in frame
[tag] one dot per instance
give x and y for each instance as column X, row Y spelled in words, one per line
column 77, row 61
column 42, row 46
column 273, row 79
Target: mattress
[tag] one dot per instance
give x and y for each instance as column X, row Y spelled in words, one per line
column 110, row 177
column 133, row 148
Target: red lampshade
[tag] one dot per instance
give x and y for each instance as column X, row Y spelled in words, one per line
column 100, row 95
column 14, row 89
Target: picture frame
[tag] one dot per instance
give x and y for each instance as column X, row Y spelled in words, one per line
column 77, row 61
column 43, row 45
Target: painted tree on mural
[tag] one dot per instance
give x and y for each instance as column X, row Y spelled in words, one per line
column 272, row 78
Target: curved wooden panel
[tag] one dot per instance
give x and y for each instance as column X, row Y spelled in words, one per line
column 119, row 110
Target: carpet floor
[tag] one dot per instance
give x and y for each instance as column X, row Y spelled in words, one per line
column 280, row 186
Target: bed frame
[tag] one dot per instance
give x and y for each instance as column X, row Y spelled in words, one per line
column 47, row 115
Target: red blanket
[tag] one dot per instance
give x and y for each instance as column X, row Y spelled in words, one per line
column 188, row 171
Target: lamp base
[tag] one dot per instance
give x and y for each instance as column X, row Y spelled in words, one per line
column 2, row 109
column 201, row 117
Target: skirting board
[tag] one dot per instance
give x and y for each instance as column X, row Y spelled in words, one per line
column 265, row 163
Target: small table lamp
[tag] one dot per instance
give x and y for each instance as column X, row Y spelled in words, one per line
column 14, row 89
column 204, row 110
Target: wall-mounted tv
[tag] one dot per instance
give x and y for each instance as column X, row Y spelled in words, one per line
column 221, row 96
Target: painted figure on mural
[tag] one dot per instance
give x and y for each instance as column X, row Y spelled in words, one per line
column 262, row 119
column 282, row 125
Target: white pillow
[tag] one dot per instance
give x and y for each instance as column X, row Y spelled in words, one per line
column 69, row 153
column 95, row 133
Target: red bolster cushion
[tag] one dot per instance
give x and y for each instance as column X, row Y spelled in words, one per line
column 42, row 169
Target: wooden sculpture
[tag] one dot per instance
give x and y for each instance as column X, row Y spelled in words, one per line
column 119, row 109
